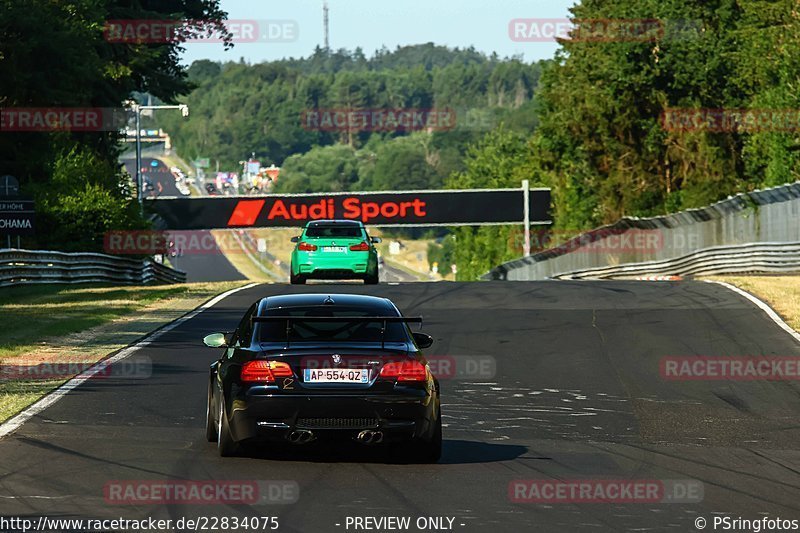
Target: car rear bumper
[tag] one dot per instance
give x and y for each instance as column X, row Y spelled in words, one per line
column 333, row 266
column 275, row 417
column 311, row 271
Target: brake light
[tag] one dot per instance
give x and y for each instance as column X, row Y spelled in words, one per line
column 360, row 247
column 404, row 371
column 261, row 371
column 305, row 247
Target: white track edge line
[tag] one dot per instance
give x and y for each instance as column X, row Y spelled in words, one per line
column 761, row 305
column 15, row 422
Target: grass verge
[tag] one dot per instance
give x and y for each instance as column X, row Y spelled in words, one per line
column 251, row 265
column 59, row 324
column 782, row 293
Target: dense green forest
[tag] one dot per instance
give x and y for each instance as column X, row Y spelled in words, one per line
column 239, row 109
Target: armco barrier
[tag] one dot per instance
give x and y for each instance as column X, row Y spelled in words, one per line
column 765, row 216
column 20, row 267
column 738, row 259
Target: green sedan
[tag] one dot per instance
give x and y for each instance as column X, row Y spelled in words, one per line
column 334, row 249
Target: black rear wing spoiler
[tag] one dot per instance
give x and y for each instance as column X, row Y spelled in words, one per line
column 277, row 318
column 292, row 319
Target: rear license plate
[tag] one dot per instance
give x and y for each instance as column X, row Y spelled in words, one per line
column 336, row 375
column 336, row 249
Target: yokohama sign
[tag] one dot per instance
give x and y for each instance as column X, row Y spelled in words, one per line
column 404, row 208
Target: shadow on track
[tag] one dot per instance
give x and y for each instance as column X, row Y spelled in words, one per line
column 453, row 452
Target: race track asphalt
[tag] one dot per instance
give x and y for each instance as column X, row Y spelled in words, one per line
column 158, row 173
column 208, row 267
column 576, row 394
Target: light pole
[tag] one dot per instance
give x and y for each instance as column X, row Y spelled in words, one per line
column 137, row 109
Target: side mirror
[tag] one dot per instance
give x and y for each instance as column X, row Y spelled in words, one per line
column 215, row 340
column 296, row 239
column 423, row 340
column 376, row 240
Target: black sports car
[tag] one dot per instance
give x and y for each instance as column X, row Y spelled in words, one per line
column 307, row 367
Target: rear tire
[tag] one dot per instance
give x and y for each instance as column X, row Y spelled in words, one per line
column 430, row 452
column 211, row 426
column 296, row 280
column 371, row 279
column 226, row 446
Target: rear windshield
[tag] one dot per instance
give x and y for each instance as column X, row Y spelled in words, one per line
column 336, row 331
column 334, row 231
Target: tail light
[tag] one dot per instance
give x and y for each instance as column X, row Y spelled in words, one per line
column 404, row 371
column 305, row 247
column 360, row 247
column 261, row 371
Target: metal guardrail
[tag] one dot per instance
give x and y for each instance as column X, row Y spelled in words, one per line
column 20, row 267
column 736, row 259
column 762, row 216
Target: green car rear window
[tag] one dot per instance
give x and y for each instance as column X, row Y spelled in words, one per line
column 334, row 231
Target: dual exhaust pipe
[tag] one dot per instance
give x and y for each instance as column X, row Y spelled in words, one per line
column 300, row 436
column 304, row 436
column 369, row 436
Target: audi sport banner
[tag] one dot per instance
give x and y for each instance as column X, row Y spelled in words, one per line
column 405, row 208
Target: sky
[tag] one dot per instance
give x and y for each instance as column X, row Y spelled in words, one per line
column 296, row 26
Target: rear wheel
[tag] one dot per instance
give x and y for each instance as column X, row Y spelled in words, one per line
column 297, row 280
column 371, row 279
column 430, row 451
column 226, row 446
column 211, row 426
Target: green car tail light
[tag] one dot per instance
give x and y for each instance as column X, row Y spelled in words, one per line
column 360, row 247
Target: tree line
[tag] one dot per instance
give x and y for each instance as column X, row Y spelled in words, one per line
column 239, row 109
column 703, row 109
